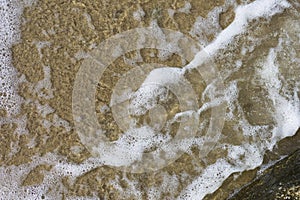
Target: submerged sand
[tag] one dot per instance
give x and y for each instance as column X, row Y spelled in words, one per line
column 54, row 31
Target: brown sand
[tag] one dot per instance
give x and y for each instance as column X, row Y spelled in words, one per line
column 62, row 24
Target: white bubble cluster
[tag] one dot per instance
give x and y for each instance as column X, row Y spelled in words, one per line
column 9, row 33
column 130, row 147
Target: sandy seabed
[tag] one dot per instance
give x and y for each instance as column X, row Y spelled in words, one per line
column 43, row 157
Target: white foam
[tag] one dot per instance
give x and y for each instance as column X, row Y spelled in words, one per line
column 207, row 182
column 287, row 112
column 186, row 8
column 154, row 89
column 203, row 28
column 135, row 141
column 213, row 175
column 166, row 47
column 211, row 178
column 130, row 146
column 139, row 14
column 243, row 15
column 12, row 187
column 9, row 34
column 45, row 84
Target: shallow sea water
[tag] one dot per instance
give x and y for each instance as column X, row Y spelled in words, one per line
column 145, row 99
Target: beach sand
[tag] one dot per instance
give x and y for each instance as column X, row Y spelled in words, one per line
column 53, row 36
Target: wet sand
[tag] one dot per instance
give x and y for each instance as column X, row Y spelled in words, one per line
column 53, row 32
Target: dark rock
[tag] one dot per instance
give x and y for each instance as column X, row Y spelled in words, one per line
column 280, row 181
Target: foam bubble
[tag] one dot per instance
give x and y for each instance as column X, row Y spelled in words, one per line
column 287, row 109
column 139, row 14
column 211, row 178
column 186, row 8
column 130, row 146
column 154, row 88
column 135, row 141
column 9, row 34
column 287, row 112
column 243, row 15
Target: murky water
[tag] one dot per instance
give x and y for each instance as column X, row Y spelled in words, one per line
column 145, row 99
